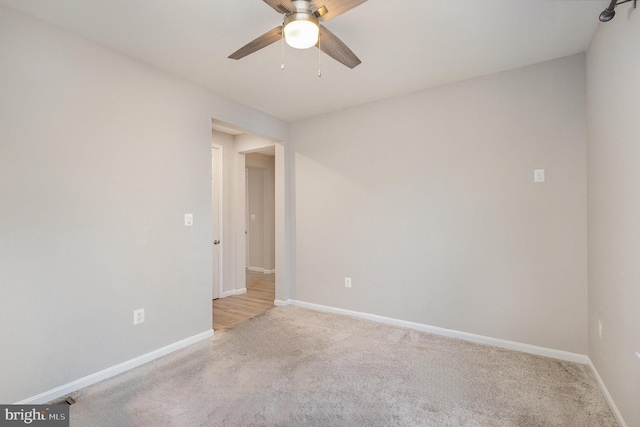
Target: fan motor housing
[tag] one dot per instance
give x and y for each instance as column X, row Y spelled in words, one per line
column 300, row 16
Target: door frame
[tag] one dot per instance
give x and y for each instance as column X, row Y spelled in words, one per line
column 284, row 202
column 220, row 149
column 247, row 220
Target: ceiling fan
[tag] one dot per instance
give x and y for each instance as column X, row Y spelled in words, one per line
column 302, row 30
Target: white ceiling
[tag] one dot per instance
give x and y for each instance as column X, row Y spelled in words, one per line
column 405, row 46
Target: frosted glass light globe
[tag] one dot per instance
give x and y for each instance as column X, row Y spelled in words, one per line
column 301, row 34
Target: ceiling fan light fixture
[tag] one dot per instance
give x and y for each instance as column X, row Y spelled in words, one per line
column 301, row 30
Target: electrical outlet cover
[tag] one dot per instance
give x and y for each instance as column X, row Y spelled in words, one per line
column 138, row 316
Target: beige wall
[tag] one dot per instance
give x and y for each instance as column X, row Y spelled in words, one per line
column 100, row 158
column 613, row 67
column 428, row 203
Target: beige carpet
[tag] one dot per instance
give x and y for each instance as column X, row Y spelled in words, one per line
column 297, row 367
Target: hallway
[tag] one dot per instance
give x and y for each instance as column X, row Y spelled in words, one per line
column 258, row 299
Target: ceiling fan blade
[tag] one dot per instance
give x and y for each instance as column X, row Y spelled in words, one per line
column 263, row 41
column 281, row 6
column 335, row 48
column 333, row 7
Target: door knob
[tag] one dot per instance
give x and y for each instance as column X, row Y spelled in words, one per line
column 215, row 242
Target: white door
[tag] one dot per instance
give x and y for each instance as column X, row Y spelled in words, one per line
column 247, row 224
column 216, row 193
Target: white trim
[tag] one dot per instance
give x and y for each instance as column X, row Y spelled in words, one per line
column 481, row 339
column 284, row 247
column 261, row 270
column 78, row 384
column 612, row 405
column 281, row 303
column 247, row 222
column 240, row 219
column 233, row 292
column 220, row 216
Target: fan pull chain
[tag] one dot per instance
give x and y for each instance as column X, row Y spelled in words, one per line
column 319, row 68
column 282, row 47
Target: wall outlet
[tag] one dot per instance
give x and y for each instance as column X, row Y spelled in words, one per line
column 138, row 316
column 600, row 328
column 538, row 175
column 347, row 282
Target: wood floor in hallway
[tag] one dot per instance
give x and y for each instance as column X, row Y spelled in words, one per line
column 261, row 291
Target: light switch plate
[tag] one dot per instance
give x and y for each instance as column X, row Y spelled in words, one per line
column 188, row 220
column 538, row 175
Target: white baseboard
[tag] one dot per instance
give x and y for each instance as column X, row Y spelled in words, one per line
column 261, row 270
column 612, row 405
column 281, row 303
column 481, row 339
column 76, row 385
column 233, row 292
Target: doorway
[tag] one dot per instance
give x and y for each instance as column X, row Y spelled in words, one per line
column 235, row 144
column 260, row 211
